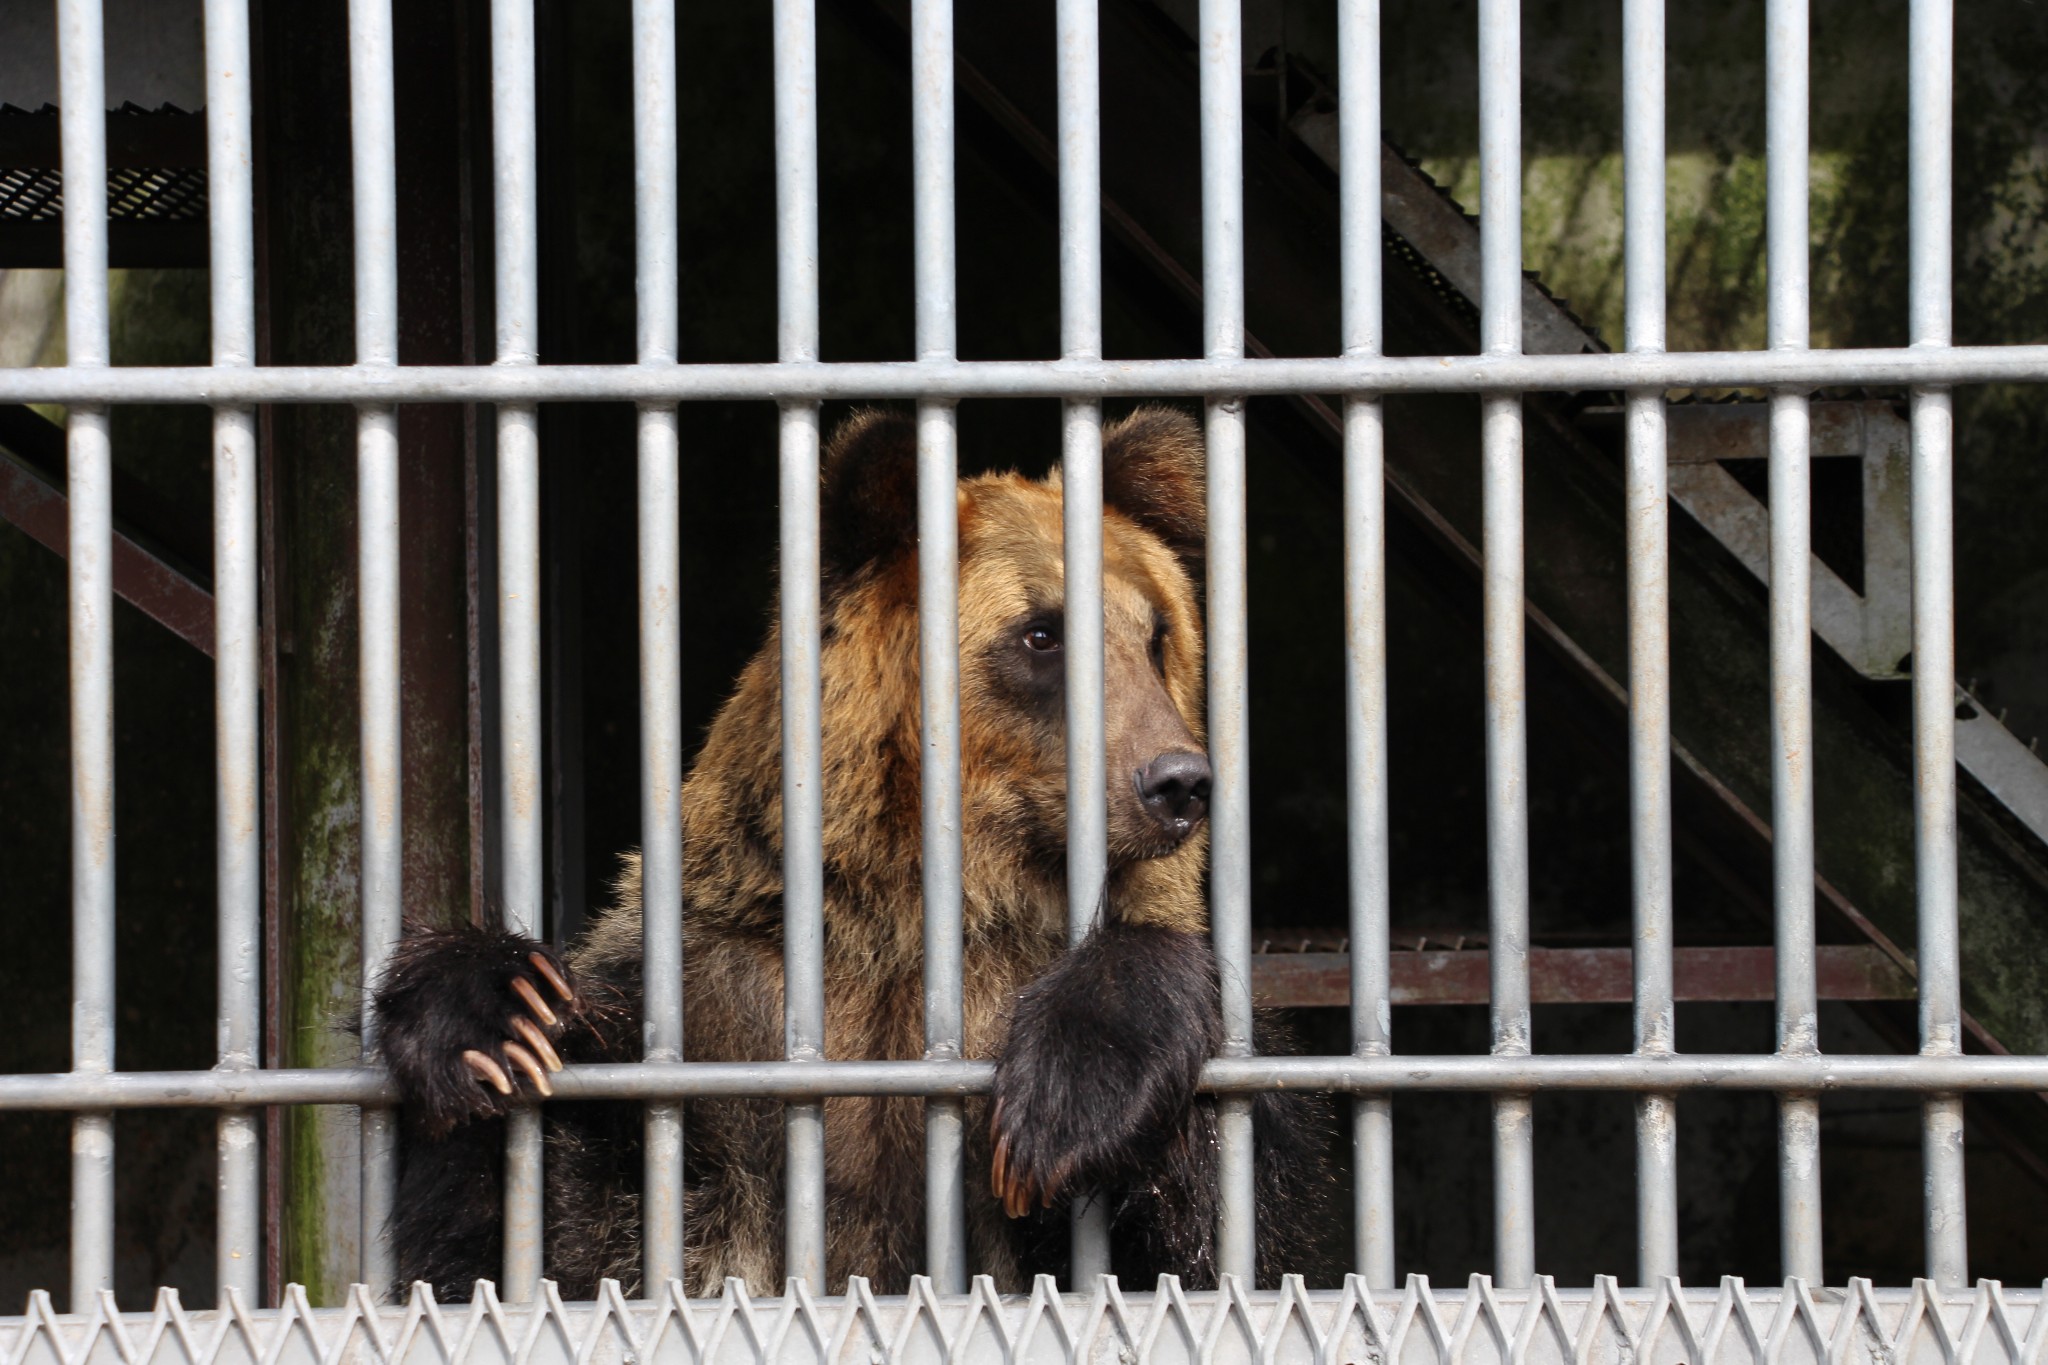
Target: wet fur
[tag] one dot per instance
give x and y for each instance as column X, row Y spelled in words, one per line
column 1145, row 981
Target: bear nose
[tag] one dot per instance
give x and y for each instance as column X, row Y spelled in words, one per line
column 1174, row 789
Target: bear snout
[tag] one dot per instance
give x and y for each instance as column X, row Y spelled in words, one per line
column 1174, row 790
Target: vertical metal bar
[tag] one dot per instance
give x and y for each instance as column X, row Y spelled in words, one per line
column 372, row 137
column 1785, row 54
column 803, row 872
column 1507, row 801
column 1931, row 110
column 516, row 251
column 1649, row 635
column 239, row 830
column 938, row 614
column 1078, row 59
column 658, row 311
column 81, row 82
column 1222, row 104
column 1365, row 633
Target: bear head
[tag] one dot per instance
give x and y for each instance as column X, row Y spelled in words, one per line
column 1012, row 673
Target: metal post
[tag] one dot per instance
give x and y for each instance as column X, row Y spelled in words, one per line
column 938, row 615
column 1649, row 635
column 1791, row 628
column 1507, row 800
column 1230, row 903
column 1078, row 56
column 661, row 738
column 803, row 871
column 1931, row 101
column 81, row 82
column 1365, row 633
column 372, row 126
column 516, row 214
column 237, row 812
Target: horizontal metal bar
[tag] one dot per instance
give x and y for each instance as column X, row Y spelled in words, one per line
column 809, row 381
column 63, row 1090
column 1847, row 971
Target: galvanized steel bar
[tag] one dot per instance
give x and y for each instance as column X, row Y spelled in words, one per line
column 657, row 314
column 515, row 194
column 1365, row 633
column 1649, row 636
column 372, row 140
column 237, row 640
column 1075, row 379
column 1791, row 630
column 1507, row 800
column 1077, row 57
column 1230, row 901
column 803, row 876
column 1622, row 1073
column 938, row 618
column 938, row 562
column 1931, row 117
column 81, row 83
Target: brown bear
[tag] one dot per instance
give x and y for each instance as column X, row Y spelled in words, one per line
column 1098, row 1047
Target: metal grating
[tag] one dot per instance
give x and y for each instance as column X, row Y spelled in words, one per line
column 1417, row 1325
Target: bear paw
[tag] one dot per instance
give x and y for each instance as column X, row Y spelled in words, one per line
column 466, row 1023
column 1097, row 1077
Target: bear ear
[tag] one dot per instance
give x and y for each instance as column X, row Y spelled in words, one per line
column 867, row 510
column 1153, row 471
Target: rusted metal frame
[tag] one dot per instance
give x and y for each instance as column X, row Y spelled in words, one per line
column 160, row 591
column 1559, row 976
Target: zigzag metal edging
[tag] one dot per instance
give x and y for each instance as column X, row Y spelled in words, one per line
column 1417, row 1325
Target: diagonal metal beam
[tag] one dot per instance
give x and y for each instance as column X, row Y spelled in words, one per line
column 32, row 502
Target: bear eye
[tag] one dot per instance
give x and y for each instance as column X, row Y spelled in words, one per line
column 1040, row 639
column 1158, row 648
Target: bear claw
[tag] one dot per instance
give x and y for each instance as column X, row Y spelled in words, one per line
column 537, row 1041
column 488, row 1070
column 530, row 1064
column 526, row 992
column 554, row 976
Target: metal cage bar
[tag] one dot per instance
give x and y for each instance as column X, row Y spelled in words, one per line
column 1931, row 114
column 515, row 197
column 372, row 130
column 1507, row 799
column 938, row 617
column 1365, row 635
column 1230, row 908
column 803, row 874
column 1649, row 625
column 658, row 323
column 81, row 82
column 1622, row 1073
column 811, row 382
column 1791, row 630
column 1078, row 65
column 237, row 644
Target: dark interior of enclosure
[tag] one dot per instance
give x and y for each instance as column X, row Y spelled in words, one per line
column 1008, row 290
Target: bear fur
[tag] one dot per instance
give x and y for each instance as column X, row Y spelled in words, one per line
column 1098, row 1047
